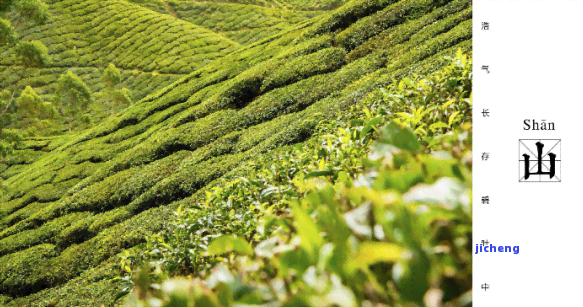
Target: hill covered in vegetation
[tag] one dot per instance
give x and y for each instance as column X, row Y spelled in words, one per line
column 70, row 211
column 84, row 37
column 151, row 49
column 243, row 23
column 162, row 6
column 373, row 209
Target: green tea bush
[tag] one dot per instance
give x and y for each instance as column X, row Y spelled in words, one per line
column 401, row 33
column 13, row 218
column 370, row 26
column 18, row 265
column 60, row 267
column 364, row 213
column 347, row 15
column 44, row 192
column 129, row 173
column 317, row 63
column 44, row 234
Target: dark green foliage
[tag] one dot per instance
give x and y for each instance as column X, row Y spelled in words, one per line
column 32, row 10
column 29, row 55
column 44, row 80
column 32, row 54
column 7, row 34
column 16, row 216
column 5, row 5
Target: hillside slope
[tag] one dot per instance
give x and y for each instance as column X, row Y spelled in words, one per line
column 243, row 23
column 81, row 204
column 294, row 5
column 84, row 36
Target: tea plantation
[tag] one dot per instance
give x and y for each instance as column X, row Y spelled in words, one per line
column 219, row 99
column 296, row 5
column 151, row 49
column 242, row 23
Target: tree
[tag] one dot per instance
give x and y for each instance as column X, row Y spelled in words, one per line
column 34, row 113
column 29, row 55
column 72, row 96
column 111, row 76
column 31, row 10
column 30, row 104
column 113, row 96
column 32, row 54
column 7, row 33
column 8, row 138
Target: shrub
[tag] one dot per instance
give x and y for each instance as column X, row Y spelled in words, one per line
column 353, row 216
column 394, row 36
column 398, row 13
column 300, row 68
column 32, row 54
column 43, row 234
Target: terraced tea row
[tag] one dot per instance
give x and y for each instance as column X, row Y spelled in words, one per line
column 91, row 33
column 43, row 81
column 242, row 23
column 159, row 6
column 121, row 180
column 86, row 35
column 296, row 5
